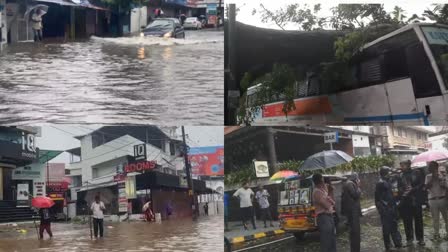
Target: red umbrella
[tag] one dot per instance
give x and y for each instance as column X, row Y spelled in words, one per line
column 428, row 156
column 42, row 202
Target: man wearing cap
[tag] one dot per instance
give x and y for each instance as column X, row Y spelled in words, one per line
column 351, row 207
column 386, row 205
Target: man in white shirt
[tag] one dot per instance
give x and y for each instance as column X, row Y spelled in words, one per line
column 262, row 197
column 245, row 195
column 98, row 216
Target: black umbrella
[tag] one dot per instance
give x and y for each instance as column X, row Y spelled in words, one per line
column 325, row 160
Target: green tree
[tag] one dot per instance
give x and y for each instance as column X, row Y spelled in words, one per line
column 304, row 16
column 439, row 13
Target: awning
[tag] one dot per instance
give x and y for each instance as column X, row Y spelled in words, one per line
column 60, row 2
column 47, row 155
column 96, row 186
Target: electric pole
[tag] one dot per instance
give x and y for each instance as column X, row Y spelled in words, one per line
column 189, row 177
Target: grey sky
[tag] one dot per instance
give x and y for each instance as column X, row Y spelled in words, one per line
column 61, row 137
column 246, row 7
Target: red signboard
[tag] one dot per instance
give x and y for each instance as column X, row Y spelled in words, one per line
column 212, row 19
column 207, row 161
column 140, row 166
column 308, row 106
column 119, row 177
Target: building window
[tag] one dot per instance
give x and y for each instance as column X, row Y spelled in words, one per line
column 172, row 149
column 404, row 133
column 395, row 130
column 400, row 132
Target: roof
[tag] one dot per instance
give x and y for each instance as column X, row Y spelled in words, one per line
column 60, row 2
column 400, row 30
column 258, row 48
column 47, row 155
column 75, row 151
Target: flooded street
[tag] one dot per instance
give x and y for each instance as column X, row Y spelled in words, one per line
column 134, row 80
column 174, row 235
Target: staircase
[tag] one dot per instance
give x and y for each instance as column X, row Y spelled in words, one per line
column 10, row 213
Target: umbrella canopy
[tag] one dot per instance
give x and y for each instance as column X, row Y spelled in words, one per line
column 42, row 202
column 428, row 156
column 282, row 175
column 42, row 7
column 325, row 160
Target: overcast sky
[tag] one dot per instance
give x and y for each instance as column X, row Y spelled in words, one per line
column 61, row 137
column 246, row 7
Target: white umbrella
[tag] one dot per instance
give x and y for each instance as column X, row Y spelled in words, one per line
column 42, row 7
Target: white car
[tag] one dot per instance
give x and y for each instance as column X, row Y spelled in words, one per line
column 192, row 23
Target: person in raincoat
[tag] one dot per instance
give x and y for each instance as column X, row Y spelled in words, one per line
column 36, row 19
column 351, row 208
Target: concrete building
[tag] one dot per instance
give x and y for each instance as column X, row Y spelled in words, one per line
column 438, row 139
column 403, row 142
column 107, row 159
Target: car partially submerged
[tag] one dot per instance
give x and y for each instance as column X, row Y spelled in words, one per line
column 165, row 27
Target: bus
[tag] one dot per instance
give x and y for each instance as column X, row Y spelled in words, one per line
column 400, row 78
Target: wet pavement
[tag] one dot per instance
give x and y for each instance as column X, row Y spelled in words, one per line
column 174, row 235
column 371, row 239
column 129, row 80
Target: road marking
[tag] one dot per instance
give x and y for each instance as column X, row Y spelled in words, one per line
column 264, row 244
column 259, row 235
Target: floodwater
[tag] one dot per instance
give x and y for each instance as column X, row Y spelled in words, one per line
column 129, row 80
column 174, row 235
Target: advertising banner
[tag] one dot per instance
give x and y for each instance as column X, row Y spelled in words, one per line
column 207, row 161
column 122, row 200
column 22, row 195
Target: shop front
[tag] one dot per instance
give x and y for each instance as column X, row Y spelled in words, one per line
column 17, row 148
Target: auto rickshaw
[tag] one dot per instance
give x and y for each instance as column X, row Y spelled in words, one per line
column 295, row 207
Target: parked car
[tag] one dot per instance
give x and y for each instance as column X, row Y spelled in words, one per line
column 193, row 23
column 165, row 27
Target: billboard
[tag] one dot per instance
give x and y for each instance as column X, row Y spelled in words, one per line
column 207, row 161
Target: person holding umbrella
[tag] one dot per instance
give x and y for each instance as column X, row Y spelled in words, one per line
column 36, row 19
column 43, row 204
column 98, row 216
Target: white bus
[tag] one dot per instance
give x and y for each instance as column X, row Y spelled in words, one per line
column 400, row 78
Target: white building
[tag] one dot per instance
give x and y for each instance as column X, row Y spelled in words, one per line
column 104, row 153
column 436, row 140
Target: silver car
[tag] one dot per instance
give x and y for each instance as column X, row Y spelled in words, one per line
column 193, row 23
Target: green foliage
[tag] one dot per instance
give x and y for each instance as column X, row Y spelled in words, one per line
column 439, row 13
column 358, row 164
column 303, row 16
column 346, row 46
column 278, row 84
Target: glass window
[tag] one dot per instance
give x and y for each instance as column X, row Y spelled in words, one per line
column 437, row 38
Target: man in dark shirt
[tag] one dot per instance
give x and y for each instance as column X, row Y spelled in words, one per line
column 45, row 222
column 351, row 206
column 386, row 206
column 411, row 194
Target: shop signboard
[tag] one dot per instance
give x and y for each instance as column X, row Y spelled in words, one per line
column 39, row 189
column 23, row 191
column 56, row 190
column 28, row 146
column 331, row 137
column 140, row 166
column 207, row 161
column 122, row 200
column 140, row 152
column 261, row 169
column 28, row 172
column 211, row 9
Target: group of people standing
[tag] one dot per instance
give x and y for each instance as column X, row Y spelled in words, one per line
column 413, row 188
column 246, row 197
column 397, row 196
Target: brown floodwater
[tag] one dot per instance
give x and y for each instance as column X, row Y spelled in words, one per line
column 206, row 234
